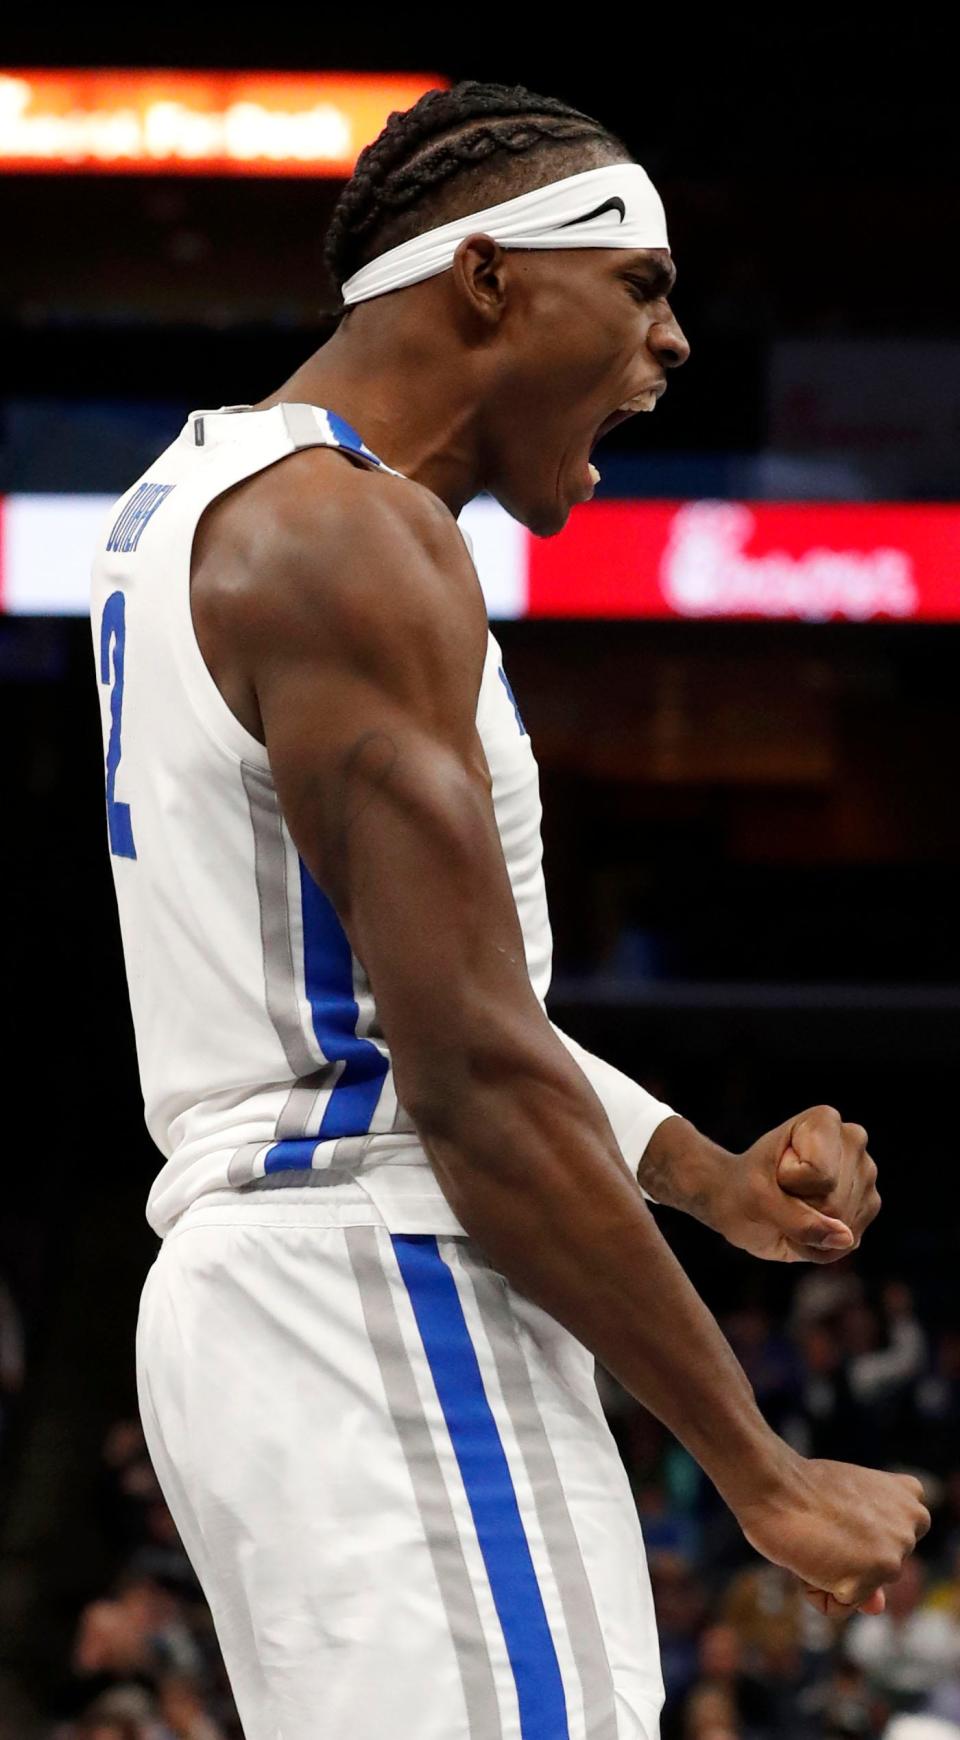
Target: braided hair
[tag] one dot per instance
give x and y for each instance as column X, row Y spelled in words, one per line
column 456, row 151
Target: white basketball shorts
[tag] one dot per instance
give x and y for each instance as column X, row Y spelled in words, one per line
column 395, row 1482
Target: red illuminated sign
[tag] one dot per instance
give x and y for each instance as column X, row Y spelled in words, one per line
column 192, row 123
column 812, row 562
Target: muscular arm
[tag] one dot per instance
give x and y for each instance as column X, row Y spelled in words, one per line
column 366, row 656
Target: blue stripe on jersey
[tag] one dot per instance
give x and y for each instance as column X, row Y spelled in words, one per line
column 505, row 680
column 489, row 1487
column 328, row 976
column 295, row 1151
column 346, row 436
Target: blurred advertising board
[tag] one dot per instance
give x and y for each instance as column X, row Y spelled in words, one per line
column 126, row 122
column 802, row 562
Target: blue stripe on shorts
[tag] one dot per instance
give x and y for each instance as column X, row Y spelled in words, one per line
column 489, row 1486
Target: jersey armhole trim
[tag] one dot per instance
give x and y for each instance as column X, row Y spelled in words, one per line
column 206, row 696
column 209, row 704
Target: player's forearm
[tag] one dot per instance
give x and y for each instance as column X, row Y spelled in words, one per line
column 532, row 1170
column 680, row 1168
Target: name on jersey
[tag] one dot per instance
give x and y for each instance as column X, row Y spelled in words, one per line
column 127, row 529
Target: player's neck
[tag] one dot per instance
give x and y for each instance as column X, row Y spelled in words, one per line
column 405, row 401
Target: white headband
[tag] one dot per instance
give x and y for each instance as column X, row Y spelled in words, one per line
column 616, row 206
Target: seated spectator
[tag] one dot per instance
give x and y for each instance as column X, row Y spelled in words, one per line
column 721, row 1666
column 183, row 1710
column 907, row 1650
column 123, row 1713
column 859, row 1373
column 710, row 1715
column 137, row 1631
column 883, row 1369
column 766, row 1608
column 841, row 1706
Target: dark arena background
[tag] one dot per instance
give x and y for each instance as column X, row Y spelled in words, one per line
column 738, row 665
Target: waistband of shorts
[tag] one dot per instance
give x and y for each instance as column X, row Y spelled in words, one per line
column 342, row 1205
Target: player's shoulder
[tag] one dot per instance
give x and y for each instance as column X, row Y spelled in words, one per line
column 324, row 489
column 362, row 546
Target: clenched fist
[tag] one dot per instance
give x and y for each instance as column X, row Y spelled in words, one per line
column 806, row 1192
column 844, row 1531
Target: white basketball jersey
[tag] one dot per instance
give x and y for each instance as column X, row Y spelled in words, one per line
column 261, row 1057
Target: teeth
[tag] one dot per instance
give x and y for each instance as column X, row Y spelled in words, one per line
column 643, row 402
column 594, row 474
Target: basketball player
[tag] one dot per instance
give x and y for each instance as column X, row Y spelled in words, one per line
column 400, row 1212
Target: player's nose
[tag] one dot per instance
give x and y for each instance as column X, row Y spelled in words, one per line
column 668, row 343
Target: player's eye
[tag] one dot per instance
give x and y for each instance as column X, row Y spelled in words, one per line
column 639, row 290
column 642, row 290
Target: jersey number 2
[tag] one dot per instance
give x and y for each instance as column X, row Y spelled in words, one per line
column 113, row 632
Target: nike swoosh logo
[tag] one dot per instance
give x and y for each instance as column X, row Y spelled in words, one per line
column 608, row 205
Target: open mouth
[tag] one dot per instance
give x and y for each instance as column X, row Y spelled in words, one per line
column 645, row 400
column 609, row 423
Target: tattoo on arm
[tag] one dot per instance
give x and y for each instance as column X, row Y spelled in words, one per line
column 665, row 1171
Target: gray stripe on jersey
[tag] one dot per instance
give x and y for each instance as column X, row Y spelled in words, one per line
column 369, row 1023
column 426, row 1475
column 270, row 870
column 302, row 426
column 350, row 1152
column 556, row 1524
column 401, row 1124
column 347, row 1157
column 299, row 1113
column 298, row 1178
column 382, row 1120
column 294, row 1118
column 242, row 1162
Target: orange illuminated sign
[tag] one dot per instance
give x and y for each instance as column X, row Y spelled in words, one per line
column 198, row 123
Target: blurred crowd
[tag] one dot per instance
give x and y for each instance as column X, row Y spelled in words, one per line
column 745, row 1657
column 842, row 1374
column 144, row 1662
